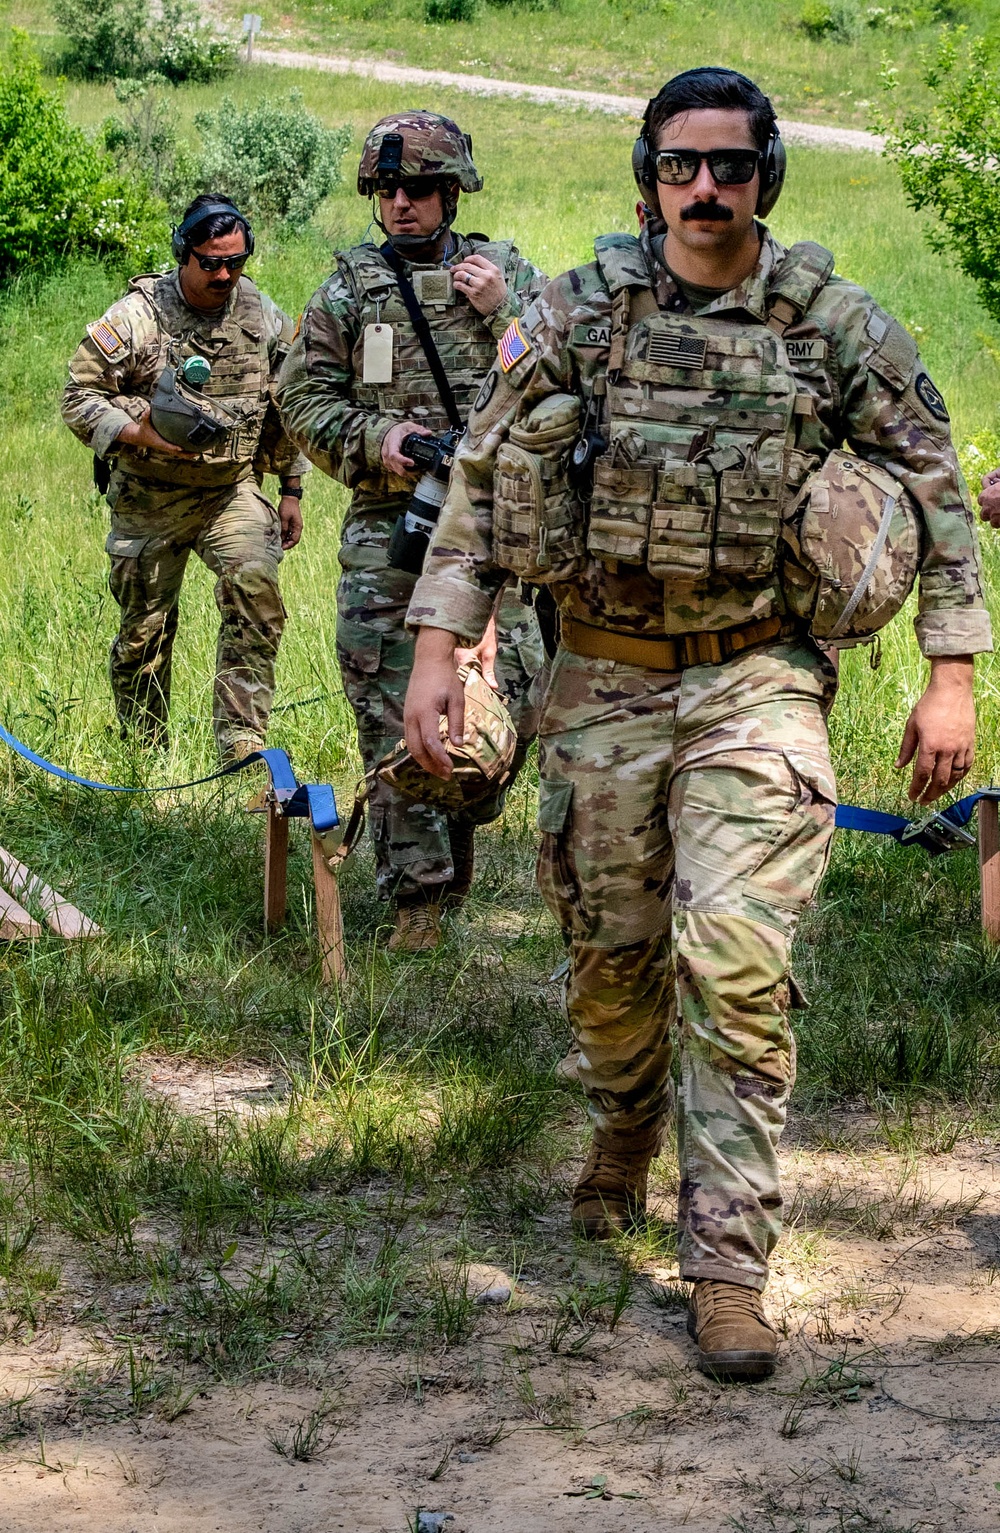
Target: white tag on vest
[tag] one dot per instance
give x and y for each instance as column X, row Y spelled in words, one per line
column 378, row 354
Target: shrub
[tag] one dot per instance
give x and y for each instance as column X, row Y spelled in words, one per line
column 142, row 141
column 450, row 10
column 59, row 195
column 947, row 158
column 277, row 161
column 128, row 39
column 844, row 21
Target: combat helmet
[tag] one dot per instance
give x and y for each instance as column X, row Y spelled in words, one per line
column 419, row 143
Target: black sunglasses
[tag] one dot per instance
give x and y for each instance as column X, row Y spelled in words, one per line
column 216, row 263
column 415, row 188
column 728, row 167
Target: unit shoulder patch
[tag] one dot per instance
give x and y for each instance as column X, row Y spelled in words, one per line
column 591, row 335
column 513, row 345
column 930, row 395
column 104, row 336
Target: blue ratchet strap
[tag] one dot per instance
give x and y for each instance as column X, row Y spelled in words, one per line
column 942, row 831
column 295, row 798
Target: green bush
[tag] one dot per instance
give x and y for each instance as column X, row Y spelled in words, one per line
column 947, row 158
column 142, row 140
column 277, row 161
column 59, row 195
column 844, row 21
column 128, row 39
column 450, row 10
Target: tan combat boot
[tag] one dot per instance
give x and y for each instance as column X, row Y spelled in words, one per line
column 418, row 927
column 736, row 1343
column 610, row 1196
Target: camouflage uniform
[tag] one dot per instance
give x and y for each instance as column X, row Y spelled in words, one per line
column 339, row 421
column 687, row 815
column 162, row 508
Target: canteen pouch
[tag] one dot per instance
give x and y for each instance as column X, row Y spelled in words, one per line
column 537, row 518
column 852, row 550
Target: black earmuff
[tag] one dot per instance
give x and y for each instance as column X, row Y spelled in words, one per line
column 180, row 244
column 772, row 168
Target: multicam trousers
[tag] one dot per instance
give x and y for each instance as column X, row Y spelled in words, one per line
column 686, row 822
column 412, row 841
column 235, row 530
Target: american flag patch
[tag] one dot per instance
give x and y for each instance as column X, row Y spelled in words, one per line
column 513, row 346
column 106, row 337
column 671, row 349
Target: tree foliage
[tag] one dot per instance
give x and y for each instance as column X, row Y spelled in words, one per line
column 949, row 157
column 132, row 39
column 59, row 195
column 277, row 160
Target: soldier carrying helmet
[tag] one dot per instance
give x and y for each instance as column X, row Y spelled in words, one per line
column 171, row 390
column 722, row 457
column 394, row 343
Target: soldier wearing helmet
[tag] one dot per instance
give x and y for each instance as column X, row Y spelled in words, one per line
column 358, row 380
column 171, row 391
column 721, row 456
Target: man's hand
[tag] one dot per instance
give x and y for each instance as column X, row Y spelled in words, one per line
column 142, row 433
column 434, row 689
column 941, row 731
column 484, row 655
column 290, row 516
column 391, row 455
column 989, row 500
column 482, row 283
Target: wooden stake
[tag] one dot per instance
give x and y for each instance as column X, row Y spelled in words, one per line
column 329, row 921
column 62, row 917
column 275, row 869
column 15, row 923
column 989, row 867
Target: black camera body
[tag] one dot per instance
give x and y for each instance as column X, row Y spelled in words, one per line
column 414, row 527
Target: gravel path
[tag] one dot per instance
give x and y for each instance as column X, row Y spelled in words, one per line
column 812, row 134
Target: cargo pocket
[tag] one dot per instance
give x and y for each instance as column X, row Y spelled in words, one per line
column 128, row 586
column 788, row 875
column 682, row 523
column 747, row 526
column 618, row 523
column 557, row 879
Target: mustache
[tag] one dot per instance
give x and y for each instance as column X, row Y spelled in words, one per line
column 707, row 212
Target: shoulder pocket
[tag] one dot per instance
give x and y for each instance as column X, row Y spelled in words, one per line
column 895, row 355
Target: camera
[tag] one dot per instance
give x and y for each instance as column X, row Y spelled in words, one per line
column 414, row 526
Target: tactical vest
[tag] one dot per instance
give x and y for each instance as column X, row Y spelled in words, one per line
column 236, row 347
column 700, row 421
column 466, row 343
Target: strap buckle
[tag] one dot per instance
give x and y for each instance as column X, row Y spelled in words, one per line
column 937, row 834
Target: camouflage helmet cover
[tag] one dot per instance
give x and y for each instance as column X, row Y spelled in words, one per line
column 432, row 146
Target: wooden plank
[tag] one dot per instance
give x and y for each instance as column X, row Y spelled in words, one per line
column 15, row 923
column 60, row 916
column 329, row 921
column 275, row 869
column 989, row 867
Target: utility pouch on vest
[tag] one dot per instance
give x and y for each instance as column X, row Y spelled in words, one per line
column 537, row 518
column 853, row 543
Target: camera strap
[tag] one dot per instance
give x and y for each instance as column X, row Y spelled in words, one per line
column 424, row 336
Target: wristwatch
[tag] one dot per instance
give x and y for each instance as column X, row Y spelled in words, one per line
column 296, row 493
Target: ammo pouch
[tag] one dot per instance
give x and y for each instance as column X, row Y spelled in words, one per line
column 537, row 518
column 853, row 550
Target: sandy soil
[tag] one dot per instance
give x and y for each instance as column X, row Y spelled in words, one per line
column 884, row 1413
column 816, row 135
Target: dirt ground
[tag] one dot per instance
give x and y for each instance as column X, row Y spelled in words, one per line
column 884, row 1412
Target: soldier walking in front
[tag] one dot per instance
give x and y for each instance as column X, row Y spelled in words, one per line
column 171, row 389
column 662, row 440
column 396, row 342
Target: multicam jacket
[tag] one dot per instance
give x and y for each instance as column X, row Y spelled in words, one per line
column 856, row 378
column 340, row 421
column 114, row 371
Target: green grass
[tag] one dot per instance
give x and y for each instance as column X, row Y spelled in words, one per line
column 421, row 1126
column 628, row 47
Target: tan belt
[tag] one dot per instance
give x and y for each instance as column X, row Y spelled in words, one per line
column 675, row 653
